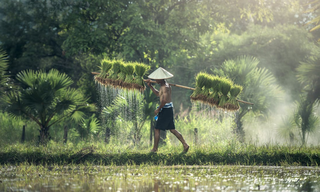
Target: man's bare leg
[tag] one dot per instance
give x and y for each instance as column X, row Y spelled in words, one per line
column 180, row 137
column 156, row 140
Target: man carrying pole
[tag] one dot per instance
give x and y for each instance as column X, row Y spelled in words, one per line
column 164, row 113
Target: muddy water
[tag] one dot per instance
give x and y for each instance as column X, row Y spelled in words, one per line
column 159, row 178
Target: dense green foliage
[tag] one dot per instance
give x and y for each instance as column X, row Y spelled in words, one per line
column 46, row 99
column 263, row 46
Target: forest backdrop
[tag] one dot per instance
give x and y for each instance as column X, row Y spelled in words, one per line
column 50, row 47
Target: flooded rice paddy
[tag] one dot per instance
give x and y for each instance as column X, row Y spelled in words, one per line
column 158, row 178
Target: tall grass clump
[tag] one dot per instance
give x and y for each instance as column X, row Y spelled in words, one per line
column 216, row 147
column 11, row 129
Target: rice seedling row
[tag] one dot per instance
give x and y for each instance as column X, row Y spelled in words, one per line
column 216, row 91
column 123, row 75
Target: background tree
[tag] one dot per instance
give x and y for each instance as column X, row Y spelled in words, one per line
column 309, row 77
column 184, row 36
column 30, row 35
column 46, row 99
column 305, row 119
column 259, row 87
column 288, row 129
column 278, row 49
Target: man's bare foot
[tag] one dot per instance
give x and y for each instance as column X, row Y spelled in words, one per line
column 186, row 148
column 153, row 151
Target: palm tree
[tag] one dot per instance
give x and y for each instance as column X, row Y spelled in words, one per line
column 305, row 118
column 46, row 99
column 259, row 87
column 309, row 77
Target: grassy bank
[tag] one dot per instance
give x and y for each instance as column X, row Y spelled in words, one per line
column 113, row 154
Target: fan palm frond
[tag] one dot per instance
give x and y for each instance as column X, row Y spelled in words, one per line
column 309, row 71
column 309, row 76
column 3, row 68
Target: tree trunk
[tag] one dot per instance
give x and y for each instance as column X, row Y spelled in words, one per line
column 195, row 136
column 291, row 135
column 44, row 136
column 136, row 133
column 23, row 137
column 303, row 137
column 107, row 137
column 239, row 127
column 65, row 136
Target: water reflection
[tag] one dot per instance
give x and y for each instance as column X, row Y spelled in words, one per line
column 158, row 178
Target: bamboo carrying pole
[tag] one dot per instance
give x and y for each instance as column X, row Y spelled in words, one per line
column 182, row 86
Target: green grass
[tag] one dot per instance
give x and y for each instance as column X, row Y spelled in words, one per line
column 232, row 153
column 216, row 145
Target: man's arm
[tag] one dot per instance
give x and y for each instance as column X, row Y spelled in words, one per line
column 154, row 90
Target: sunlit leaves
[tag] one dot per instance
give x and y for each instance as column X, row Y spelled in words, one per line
column 315, row 5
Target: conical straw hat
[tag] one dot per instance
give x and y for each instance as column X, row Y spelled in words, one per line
column 160, row 73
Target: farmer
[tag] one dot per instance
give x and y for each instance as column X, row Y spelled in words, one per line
column 164, row 113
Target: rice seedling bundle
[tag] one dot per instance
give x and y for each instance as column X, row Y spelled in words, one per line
column 225, row 86
column 207, row 85
column 129, row 69
column 140, row 70
column 200, row 83
column 234, row 92
column 213, row 98
column 122, row 73
column 115, row 70
column 216, row 91
column 105, row 67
